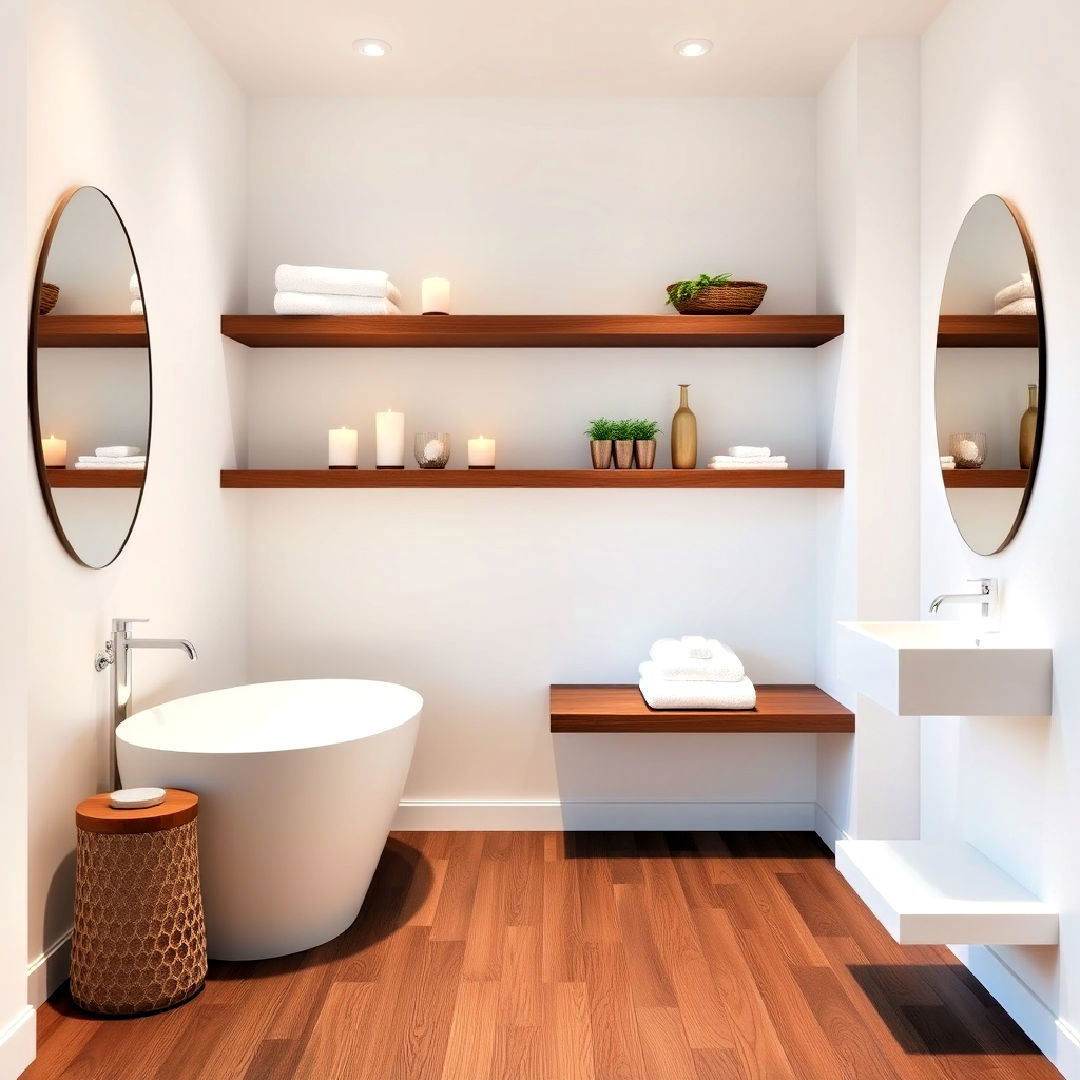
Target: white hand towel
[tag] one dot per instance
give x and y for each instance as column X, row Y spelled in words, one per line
column 670, row 651
column 726, row 667
column 661, row 694
column 336, row 282
column 118, row 451
column 1021, row 290
column 697, row 647
column 137, row 307
column 113, row 466
column 295, row 303
column 88, row 460
column 1027, row 306
column 748, row 465
column 948, row 464
column 749, row 451
column 727, row 460
column 133, row 287
column 946, row 457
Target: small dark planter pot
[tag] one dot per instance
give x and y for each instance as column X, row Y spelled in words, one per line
column 601, row 453
column 645, row 453
column 624, row 453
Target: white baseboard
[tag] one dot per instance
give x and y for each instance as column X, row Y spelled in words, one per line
column 541, row 815
column 18, row 1042
column 827, row 828
column 47, row 971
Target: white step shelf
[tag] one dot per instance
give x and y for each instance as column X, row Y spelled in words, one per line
column 944, row 893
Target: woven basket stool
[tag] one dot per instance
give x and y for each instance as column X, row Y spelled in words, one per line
column 140, row 941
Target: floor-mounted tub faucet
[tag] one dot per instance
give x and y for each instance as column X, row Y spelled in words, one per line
column 987, row 596
column 117, row 654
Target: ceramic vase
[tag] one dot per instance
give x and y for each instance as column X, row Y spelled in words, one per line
column 684, row 433
column 1028, row 423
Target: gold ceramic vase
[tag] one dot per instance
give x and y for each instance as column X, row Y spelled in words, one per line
column 684, row 433
column 1028, row 422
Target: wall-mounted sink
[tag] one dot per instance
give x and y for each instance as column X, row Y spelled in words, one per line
column 945, row 669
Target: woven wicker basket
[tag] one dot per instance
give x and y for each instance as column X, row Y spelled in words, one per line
column 735, row 298
column 47, row 297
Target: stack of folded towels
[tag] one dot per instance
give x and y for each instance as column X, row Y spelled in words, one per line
column 948, row 461
column 136, row 295
column 1018, row 299
column 695, row 673
column 328, row 290
column 114, row 457
column 748, row 457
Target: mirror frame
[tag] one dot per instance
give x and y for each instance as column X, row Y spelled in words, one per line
column 1036, row 283
column 32, row 375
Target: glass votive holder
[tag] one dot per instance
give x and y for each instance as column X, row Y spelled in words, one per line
column 432, row 449
column 968, row 449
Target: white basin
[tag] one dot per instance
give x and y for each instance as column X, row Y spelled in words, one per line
column 945, row 669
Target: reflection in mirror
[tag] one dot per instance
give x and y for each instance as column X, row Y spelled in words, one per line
column 90, row 385
column 990, row 375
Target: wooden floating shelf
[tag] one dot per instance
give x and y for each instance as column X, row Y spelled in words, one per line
column 988, row 332
column 95, row 478
column 532, row 331
column 583, row 707
column 944, row 893
column 532, row 478
column 985, row 478
column 92, row 332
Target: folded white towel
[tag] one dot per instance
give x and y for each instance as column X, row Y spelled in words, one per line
column 726, row 460
column 948, row 464
column 88, row 460
column 749, row 451
column 946, row 457
column 1027, row 306
column 1020, row 290
column 662, row 694
column 118, row 451
column 133, row 287
column 696, row 646
column 136, row 307
column 336, row 282
column 114, row 466
column 295, row 303
column 727, row 667
column 748, row 465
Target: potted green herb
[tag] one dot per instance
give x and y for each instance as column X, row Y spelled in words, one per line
column 600, row 433
column 622, row 431
column 715, row 294
column 645, row 432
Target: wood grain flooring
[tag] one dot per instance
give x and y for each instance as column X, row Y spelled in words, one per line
column 577, row 956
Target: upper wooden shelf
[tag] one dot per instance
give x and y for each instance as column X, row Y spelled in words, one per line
column 617, row 707
column 988, row 332
column 985, row 478
column 95, row 478
column 531, row 331
column 92, row 332
column 532, row 478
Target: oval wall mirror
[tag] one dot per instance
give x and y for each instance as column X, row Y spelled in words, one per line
column 990, row 377
column 90, row 377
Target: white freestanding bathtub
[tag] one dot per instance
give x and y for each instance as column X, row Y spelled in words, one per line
column 298, row 783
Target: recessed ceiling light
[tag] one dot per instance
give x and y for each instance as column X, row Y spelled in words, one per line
column 369, row 46
column 698, row 46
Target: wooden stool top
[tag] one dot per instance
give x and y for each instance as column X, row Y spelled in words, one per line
column 96, row 815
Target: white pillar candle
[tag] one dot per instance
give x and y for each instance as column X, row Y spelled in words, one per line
column 390, row 440
column 435, row 296
column 481, row 453
column 54, row 451
column 344, row 448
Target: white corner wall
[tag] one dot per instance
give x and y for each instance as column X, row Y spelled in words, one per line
column 1001, row 113
column 123, row 97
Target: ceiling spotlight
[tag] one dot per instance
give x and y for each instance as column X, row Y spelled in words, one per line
column 369, row 46
column 693, row 47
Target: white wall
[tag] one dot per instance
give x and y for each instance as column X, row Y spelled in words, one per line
column 1001, row 114
column 123, row 97
column 481, row 599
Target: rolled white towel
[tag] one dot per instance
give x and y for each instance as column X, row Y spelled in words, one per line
column 133, row 287
column 336, row 281
column 948, row 464
column 749, row 451
column 663, row 694
column 725, row 668
column 295, row 303
column 727, row 460
column 137, row 307
column 118, row 451
column 748, row 464
column 697, row 647
column 89, row 460
column 1027, row 306
column 1019, row 290
column 946, row 457
column 111, row 466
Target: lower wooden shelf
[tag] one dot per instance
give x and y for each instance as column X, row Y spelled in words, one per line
column 985, row 478
column 532, row 478
column 619, row 707
column 95, row 478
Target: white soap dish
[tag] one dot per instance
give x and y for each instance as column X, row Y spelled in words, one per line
column 136, row 798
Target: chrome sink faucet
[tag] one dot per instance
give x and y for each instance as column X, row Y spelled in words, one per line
column 987, row 596
column 117, row 655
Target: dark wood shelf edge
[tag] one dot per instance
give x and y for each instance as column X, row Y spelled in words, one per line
column 95, row 478
column 619, row 708
column 92, row 332
column 985, row 478
column 988, row 332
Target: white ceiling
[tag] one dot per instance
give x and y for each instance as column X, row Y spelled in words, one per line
column 562, row 48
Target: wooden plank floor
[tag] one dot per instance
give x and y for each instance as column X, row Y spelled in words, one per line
column 580, row 956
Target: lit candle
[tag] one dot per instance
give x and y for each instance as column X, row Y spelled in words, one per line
column 481, row 453
column 435, row 296
column 390, row 440
column 344, row 448
column 54, row 451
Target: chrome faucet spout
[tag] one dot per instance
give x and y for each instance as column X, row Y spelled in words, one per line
column 180, row 644
column 986, row 596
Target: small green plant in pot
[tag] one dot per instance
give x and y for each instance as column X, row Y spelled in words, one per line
column 600, row 433
column 645, row 432
column 623, row 435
